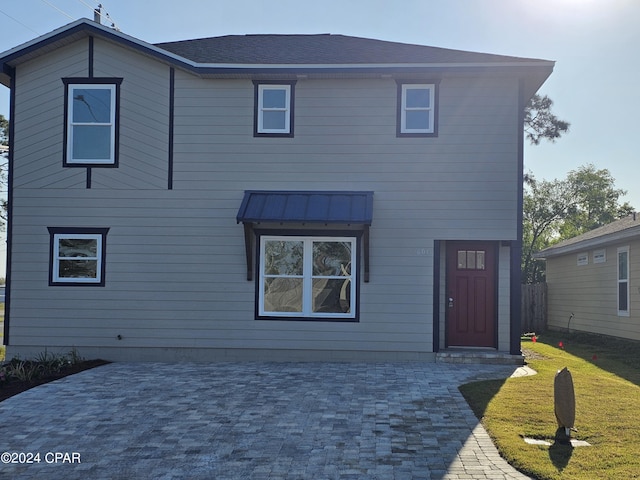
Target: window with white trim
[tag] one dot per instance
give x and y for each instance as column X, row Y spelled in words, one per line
column 600, row 256
column 91, row 126
column 623, row 281
column 274, row 109
column 307, row 277
column 77, row 256
column 417, row 109
column 583, row 259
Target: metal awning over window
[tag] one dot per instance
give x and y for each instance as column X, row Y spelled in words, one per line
column 316, row 207
column 306, row 207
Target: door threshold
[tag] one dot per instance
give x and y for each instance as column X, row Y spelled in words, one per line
column 463, row 347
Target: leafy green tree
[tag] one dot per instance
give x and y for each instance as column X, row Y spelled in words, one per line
column 545, row 205
column 595, row 202
column 560, row 209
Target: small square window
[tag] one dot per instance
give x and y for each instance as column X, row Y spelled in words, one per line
column 91, row 122
column 77, row 256
column 274, row 109
column 600, row 256
column 417, row 109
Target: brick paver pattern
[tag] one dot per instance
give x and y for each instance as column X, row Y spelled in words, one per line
column 255, row 421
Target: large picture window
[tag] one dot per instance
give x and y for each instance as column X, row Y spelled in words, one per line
column 274, row 109
column 77, row 256
column 307, row 277
column 91, row 122
column 417, row 109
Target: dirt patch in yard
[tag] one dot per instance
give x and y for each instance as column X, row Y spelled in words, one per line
column 531, row 355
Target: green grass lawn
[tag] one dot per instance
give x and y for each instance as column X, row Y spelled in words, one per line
column 606, row 378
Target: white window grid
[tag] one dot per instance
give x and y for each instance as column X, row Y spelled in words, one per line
column 71, row 124
column 405, row 109
column 286, row 109
column 57, row 258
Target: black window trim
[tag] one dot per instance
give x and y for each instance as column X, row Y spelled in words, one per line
column 427, row 81
column 256, row 113
column 116, row 81
column 53, row 231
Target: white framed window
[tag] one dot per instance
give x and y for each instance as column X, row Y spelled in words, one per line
column 623, row 281
column 307, row 277
column 600, row 256
column 77, row 256
column 274, row 109
column 91, row 122
column 583, row 259
column 417, row 109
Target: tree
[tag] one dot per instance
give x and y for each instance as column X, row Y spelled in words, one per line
column 540, row 124
column 560, row 209
column 545, row 204
column 596, row 201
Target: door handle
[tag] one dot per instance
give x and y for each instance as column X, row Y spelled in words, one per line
column 450, row 302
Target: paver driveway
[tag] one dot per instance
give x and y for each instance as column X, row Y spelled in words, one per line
column 253, row 421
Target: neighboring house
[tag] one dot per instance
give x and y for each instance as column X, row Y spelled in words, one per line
column 593, row 280
column 263, row 197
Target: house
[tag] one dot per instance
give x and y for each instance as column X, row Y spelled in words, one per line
column 291, row 197
column 593, row 280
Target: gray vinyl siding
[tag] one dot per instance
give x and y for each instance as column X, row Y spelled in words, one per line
column 590, row 293
column 175, row 263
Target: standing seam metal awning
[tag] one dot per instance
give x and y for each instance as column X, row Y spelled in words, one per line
column 306, row 207
column 319, row 207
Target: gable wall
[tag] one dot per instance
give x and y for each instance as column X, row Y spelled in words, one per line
column 175, row 271
column 589, row 292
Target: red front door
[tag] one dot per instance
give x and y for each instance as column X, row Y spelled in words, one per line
column 471, row 294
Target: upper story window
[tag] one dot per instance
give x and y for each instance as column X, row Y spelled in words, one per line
column 274, row 109
column 417, row 109
column 77, row 256
column 91, row 122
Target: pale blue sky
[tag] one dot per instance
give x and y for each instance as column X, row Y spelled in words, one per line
column 594, row 42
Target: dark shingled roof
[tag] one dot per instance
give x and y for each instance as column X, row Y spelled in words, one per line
column 281, row 56
column 324, row 49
